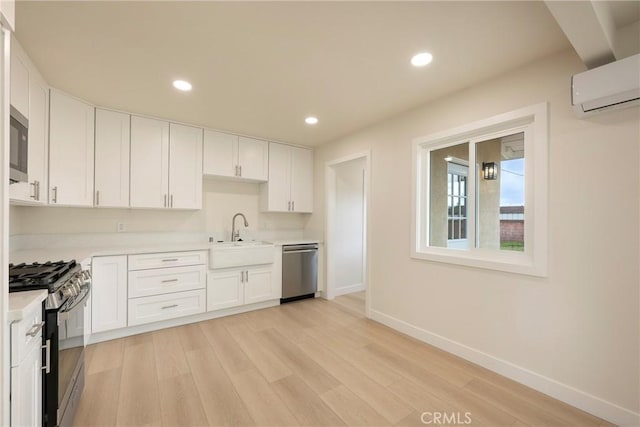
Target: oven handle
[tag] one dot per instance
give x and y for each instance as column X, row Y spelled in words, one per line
column 64, row 315
column 34, row 330
column 47, row 357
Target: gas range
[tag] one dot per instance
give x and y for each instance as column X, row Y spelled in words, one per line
column 63, row 280
column 64, row 336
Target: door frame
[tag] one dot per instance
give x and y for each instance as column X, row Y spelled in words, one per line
column 330, row 196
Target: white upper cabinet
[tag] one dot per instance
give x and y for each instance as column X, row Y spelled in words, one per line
column 71, row 151
column 185, row 167
column 166, row 165
column 253, row 159
column 220, row 156
column 290, row 186
column 112, row 159
column 301, row 180
column 228, row 155
column 34, row 191
column 19, row 80
column 149, row 163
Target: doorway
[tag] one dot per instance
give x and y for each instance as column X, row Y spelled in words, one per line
column 347, row 194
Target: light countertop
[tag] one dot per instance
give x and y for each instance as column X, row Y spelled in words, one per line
column 84, row 254
column 22, row 303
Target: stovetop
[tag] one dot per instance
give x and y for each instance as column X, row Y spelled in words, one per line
column 26, row 277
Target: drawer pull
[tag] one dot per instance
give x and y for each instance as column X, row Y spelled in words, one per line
column 170, row 260
column 34, row 330
column 169, row 306
column 169, row 281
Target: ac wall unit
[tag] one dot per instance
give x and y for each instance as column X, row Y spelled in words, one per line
column 611, row 86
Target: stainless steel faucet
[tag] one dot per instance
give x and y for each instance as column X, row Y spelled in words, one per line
column 235, row 234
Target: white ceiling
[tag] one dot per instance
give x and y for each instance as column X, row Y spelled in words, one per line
column 258, row 68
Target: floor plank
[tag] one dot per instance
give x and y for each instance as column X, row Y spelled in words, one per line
column 304, row 403
column 180, row 402
column 139, row 403
column 351, row 408
column 220, row 400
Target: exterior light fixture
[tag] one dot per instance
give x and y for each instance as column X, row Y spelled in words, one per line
column 489, row 170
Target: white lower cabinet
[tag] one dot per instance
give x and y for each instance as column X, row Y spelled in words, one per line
column 26, row 370
column 166, row 306
column 224, row 289
column 166, row 285
column 260, row 286
column 235, row 287
column 108, row 293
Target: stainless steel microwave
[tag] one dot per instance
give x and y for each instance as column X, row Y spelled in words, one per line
column 19, row 146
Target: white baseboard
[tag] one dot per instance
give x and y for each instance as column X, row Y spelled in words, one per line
column 348, row 289
column 149, row 327
column 565, row 393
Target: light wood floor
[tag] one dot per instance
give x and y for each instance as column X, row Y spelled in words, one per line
column 311, row 363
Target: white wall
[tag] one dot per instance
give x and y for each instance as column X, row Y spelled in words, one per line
column 221, row 200
column 579, row 327
column 347, row 237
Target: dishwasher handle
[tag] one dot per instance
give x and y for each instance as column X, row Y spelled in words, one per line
column 299, row 248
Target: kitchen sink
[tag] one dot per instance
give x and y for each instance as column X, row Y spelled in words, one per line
column 238, row 254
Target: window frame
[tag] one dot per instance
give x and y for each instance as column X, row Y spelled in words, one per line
column 533, row 120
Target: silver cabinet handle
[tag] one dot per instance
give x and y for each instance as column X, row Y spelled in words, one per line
column 170, row 260
column 169, row 281
column 240, row 170
column 35, row 190
column 54, row 194
column 237, row 173
column 289, row 206
column 169, row 306
column 47, row 357
column 171, row 200
column 246, row 276
column 97, row 197
column 34, row 330
column 293, row 206
column 165, row 201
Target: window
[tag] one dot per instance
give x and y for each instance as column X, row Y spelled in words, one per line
column 481, row 193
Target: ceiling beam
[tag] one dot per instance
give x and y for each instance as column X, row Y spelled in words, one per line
column 590, row 28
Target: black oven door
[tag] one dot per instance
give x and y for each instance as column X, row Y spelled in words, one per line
column 65, row 380
column 19, row 151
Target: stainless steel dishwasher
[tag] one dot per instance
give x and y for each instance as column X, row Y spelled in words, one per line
column 299, row 271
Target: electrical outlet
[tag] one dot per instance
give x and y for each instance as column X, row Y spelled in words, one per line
column 121, row 227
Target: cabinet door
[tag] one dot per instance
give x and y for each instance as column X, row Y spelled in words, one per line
column 279, row 186
column 35, row 190
column 108, row 293
column 220, row 156
column 26, row 390
column 70, row 151
column 224, row 290
column 259, row 286
column 112, row 159
column 19, row 80
column 185, row 167
column 301, row 180
column 149, row 163
column 253, row 159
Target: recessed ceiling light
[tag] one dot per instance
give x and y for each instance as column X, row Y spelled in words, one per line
column 182, row 85
column 311, row 120
column 421, row 59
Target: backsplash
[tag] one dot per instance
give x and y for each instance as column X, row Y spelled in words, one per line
column 221, row 200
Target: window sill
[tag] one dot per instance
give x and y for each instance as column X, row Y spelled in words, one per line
column 509, row 262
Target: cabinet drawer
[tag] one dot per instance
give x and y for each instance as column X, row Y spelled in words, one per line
column 144, row 283
column 166, row 259
column 162, row 307
column 25, row 334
